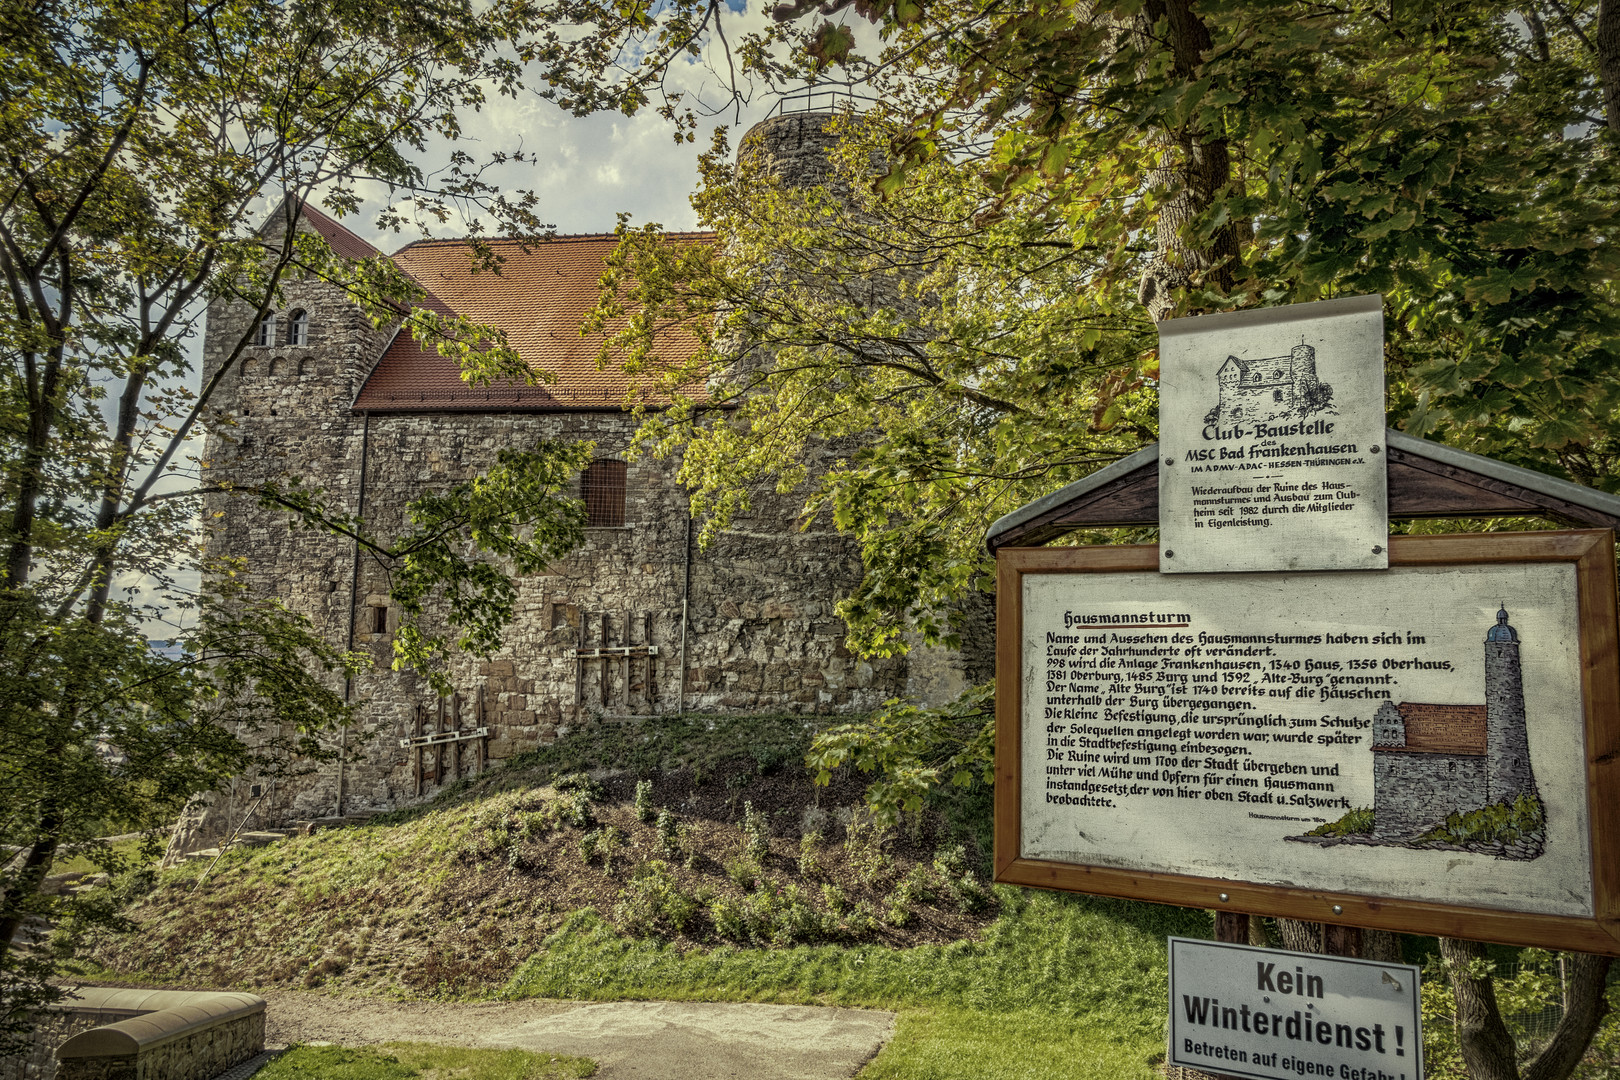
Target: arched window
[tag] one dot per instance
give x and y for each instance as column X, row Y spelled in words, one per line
column 298, row 328
column 267, row 330
column 306, row 366
column 278, row 366
column 603, row 488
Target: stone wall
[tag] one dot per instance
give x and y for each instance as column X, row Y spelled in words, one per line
column 199, row 1055
column 52, row 1027
column 760, row 631
column 1413, row 792
column 195, row 1055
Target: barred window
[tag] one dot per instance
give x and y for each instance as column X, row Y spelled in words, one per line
column 267, row 330
column 298, row 328
column 604, row 494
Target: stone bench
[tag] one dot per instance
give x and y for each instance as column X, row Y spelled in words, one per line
column 114, row 1034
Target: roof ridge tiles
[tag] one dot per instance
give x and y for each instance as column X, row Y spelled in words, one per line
column 692, row 234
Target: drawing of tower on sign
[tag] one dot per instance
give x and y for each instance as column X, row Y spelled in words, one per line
column 1456, row 776
column 1270, row 389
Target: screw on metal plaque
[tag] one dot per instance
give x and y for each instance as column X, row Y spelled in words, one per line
column 1378, row 549
column 1169, row 554
column 1169, row 461
column 1373, row 448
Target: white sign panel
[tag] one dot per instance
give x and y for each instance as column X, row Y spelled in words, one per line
column 1276, row 1015
column 1415, row 733
column 1271, row 424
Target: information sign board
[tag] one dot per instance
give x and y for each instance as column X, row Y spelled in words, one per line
column 1270, row 425
column 1430, row 748
column 1276, row 1015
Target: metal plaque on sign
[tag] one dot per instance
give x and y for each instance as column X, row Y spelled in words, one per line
column 1270, row 429
column 1275, row 1015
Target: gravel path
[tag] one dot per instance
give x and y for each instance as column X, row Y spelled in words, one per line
column 633, row 1040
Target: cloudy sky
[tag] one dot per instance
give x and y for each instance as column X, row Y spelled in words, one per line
column 585, row 171
column 589, row 169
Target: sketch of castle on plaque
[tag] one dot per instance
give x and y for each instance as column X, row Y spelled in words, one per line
column 1271, row 389
column 1271, row 432
column 1453, row 777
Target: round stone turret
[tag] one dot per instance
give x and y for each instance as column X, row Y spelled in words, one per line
column 797, row 147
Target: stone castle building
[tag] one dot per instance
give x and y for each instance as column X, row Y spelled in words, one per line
column 1270, row 388
column 636, row 622
column 1433, row 760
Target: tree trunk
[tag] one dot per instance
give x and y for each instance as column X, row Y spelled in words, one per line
column 1487, row 1047
column 1199, row 170
column 1606, row 42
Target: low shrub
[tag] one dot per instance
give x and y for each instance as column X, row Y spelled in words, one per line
column 654, row 903
column 645, row 811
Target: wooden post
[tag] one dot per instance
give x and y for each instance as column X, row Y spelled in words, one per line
column 1341, row 940
column 602, row 658
column 479, row 721
column 650, row 691
column 438, row 751
column 455, row 725
column 416, row 732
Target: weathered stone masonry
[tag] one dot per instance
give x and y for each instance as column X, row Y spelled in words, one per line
column 761, row 633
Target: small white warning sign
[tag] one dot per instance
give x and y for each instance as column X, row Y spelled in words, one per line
column 1276, row 1015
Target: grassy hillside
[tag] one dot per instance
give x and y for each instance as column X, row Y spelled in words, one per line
column 703, row 866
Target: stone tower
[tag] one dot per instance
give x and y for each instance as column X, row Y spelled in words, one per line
column 1507, row 743
column 1304, row 370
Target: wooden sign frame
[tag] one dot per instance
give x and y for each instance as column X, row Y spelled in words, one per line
column 1591, row 551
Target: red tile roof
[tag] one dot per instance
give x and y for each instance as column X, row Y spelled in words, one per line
column 343, row 242
column 1441, row 729
column 539, row 296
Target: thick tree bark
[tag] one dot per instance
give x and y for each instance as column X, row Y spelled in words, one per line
column 36, row 864
column 1487, row 1046
column 1200, row 170
column 1606, row 43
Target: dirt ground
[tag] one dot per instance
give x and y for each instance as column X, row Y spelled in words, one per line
column 631, row 1040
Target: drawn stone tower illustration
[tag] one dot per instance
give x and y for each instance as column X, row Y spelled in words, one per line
column 1507, row 745
column 1433, row 760
column 1270, row 388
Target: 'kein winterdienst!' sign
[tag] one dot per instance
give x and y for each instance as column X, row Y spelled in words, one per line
column 1276, row 1015
column 1270, row 430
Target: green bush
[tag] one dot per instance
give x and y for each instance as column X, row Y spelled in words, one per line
column 774, row 915
column 810, row 855
column 580, row 783
column 669, row 834
column 756, row 833
column 1503, row 823
column 654, row 903
column 645, row 812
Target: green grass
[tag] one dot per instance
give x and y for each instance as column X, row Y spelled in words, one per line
column 406, row 1061
column 1080, row 973
column 127, row 850
column 963, row 1044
